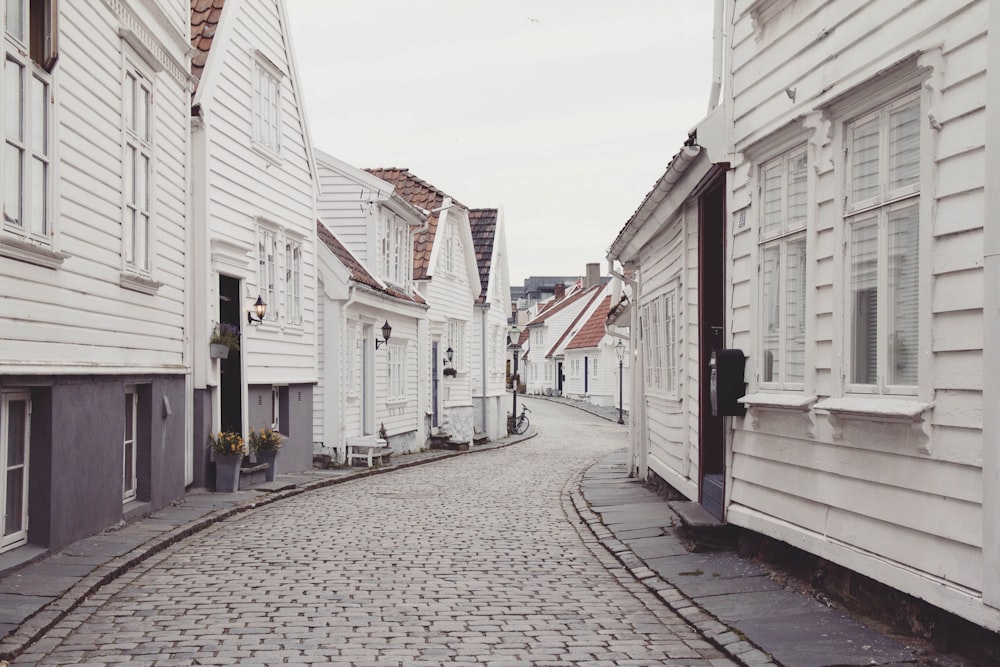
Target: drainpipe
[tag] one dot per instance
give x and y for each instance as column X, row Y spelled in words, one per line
column 718, row 46
column 485, row 308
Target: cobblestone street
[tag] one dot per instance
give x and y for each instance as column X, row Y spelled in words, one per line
column 478, row 559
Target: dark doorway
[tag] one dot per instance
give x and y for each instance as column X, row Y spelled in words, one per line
column 559, row 378
column 586, row 375
column 231, row 368
column 711, row 336
column 434, row 384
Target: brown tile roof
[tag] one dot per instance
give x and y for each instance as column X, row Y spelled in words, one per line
column 554, row 307
column 484, row 229
column 592, row 332
column 204, row 20
column 358, row 272
column 593, row 293
column 424, row 195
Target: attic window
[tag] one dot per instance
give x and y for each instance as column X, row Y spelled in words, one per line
column 266, row 104
column 33, row 23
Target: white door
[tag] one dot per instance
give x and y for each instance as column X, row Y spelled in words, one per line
column 15, row 421
column 367, row 381
column 128, row 448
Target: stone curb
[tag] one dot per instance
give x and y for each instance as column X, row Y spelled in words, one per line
column 726, row 639
column 39, row 623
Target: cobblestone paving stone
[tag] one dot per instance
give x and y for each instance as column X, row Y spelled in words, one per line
column 476, row 560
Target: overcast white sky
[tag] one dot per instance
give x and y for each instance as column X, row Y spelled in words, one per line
column 563, row 113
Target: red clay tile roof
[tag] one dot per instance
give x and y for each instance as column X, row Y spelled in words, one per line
column 424, row 195
column 204, row 20
column 484, row 229
column 592, row 332
column 593, row 292
column 554, row 307
column 358, row 272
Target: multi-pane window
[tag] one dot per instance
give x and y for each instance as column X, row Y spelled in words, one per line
column 396, row 367
column 293, row 282
column 450, row 249
column 266, row 105
column 782, row 322
column 15, row 427
column 129, row 444
column 30, row 54
column 456, row 341
column 138, row 97
column 393, row 249
column 670, row 342
column 267, row 271
column 882, row 216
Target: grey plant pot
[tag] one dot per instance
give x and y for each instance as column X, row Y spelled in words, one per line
column 268, row 457
column 227, row 473
column 218, row 350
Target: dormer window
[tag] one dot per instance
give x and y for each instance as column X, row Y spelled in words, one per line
column 393, row 250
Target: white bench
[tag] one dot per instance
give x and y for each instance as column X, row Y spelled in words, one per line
column 367, row 448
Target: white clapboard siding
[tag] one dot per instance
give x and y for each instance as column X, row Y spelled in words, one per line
column 898, row 495
column 78, row 313
column 245, row 187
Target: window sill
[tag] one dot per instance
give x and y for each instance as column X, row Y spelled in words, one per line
column 30, row 252
column 878, row 409
column 397, row 402
column 139, row 283
column 778, row 401
column 268, row 154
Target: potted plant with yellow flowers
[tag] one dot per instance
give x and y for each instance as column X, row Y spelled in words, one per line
column 265, row 443
column 227, row 448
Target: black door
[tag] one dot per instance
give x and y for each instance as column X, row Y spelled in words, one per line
column 434, row 384
column 230, row 369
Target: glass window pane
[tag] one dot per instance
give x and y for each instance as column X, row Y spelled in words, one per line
column 129, row 232
column 38, row 213
column 142, row 183
column 14, row 508
column 902, row 324
column 795, row 310
column 770, row 315
column 772, row 200
column 904, row 146
column 15, row 19
column 17, row 413
column 129, row 184
column 797, row 191
column 12, row 178
column 142, row 111
column 864, row 160
column 142, row 242
column 128, row 416
column 130, row 101
column 39, row 116
column 13, row 90
column 863, row 297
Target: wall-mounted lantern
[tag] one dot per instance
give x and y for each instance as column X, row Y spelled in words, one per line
column 386, row 332
column 449, row 367
column 259, row 308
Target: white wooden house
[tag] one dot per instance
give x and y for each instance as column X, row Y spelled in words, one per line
column 591, row 358
column 93, row 253
column 542, row 367
column 254, row 228
column 368, row 385
column 447, row 278
column 849, row 237
column 490, row 327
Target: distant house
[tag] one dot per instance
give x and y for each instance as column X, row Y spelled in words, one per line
column 446, row 276
column 592, row 359
column 826, row 224
column 94, row 251
column 253, row 199
column 368, row 385
column 490, row 327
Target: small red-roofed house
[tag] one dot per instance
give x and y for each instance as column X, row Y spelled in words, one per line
column 592, row 361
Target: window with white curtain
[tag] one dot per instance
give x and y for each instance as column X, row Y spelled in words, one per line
column 456, row 341
column 782, row 190
column 883, row 258
column 267, row 271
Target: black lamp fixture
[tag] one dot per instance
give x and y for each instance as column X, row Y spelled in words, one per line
column 386, row 332
column 259, row 307
column 450, row 354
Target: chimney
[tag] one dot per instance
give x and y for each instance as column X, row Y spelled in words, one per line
column 593, row 275
column 560, row 291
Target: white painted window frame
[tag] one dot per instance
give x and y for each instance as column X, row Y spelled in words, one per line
column 396, row 368
column 265, row 106
column 293, row 281
column 138, row 188
column 267, row 269
column 130, row 434
column 19, row 537
column 456, row 341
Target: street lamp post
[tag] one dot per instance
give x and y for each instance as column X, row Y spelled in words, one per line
column 515, row 335
column 620, row 351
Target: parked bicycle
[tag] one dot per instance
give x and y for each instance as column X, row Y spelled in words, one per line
column 518, row 425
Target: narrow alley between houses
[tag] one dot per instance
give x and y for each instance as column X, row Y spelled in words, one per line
column 478, row 559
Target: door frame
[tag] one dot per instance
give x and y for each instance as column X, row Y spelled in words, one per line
column 19, row 537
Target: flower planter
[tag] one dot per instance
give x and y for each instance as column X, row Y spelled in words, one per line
column 268, row 457
column 218, row 350
column 227, row 472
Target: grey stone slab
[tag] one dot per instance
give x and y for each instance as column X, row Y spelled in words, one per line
column 821, row 639
column 716, row 585
column 103, row 546
column 761, row 604
column 656, row 547
column 64, row 565
column 37, row 581
column 7, row 628
column 16, row 608
column 694, row 515
column 701, row 566
column 626, row 535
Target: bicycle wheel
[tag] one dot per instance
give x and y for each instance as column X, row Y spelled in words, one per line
column 522, row 425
